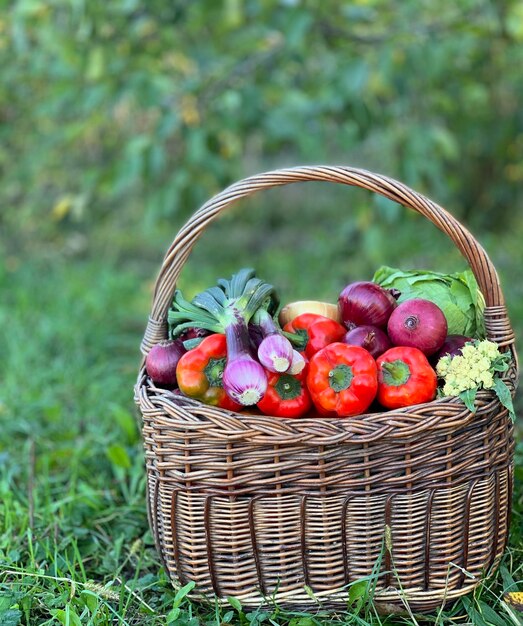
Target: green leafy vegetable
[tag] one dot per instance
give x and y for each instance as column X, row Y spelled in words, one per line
column 457, row 295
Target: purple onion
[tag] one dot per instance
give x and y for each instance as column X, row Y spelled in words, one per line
column 162, row 360
column 298, row 363
column 418, row 324
column 194, row 333
column 365, row 303
column 452, row 346
column 244, row 380
column 275, row 353
column 372, row 338
column 255, row 337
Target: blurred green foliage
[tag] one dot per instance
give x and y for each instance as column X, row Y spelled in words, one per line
column 122, row 106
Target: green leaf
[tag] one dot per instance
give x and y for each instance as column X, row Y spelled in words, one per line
column 500, row 365
column 509, row 584
column 503, row 393
column 95, row 64
column 10, row 617
column 69, row 617
column 468, row 397
column 358, row 590
column 118, row 456
column 303, row 621
column 6, row 601
column 181, row 593
column 490, row 615
column 235, row 603
column 172, row 616
column 126, row 422
column 90, row 600
column 474, row 615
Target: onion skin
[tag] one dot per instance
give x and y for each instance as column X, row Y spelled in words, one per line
column 194, row 333
column 162, row 360
column 275, row 353
column 371, row 338
column 244, row 380
column 293, row 309
column 364, row 303
column 418, row 324
column 298, row 363
column 452, row 346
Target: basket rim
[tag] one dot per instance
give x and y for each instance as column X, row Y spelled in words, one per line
column 171, row 411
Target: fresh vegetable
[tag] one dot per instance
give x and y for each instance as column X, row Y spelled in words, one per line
column 405, row 377
column 452, row 346
column 244, row 379
column 275, row 350
column 342, row 379
column 311, row 332
column 200, row 373
column 162, row 360
column 418, row 324
column 293, row 309
column 194, row 333
column 365, row 303
column 286, row 396
column 477, row 367
column 227, row 309
column 298, row 363
column 457, row 295
column 372, row 338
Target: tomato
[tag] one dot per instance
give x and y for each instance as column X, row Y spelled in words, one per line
column 405, row 377
column 316, row 332
column 199, row 373
column 342, row 379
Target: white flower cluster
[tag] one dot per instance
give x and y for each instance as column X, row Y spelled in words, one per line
column 469, row 370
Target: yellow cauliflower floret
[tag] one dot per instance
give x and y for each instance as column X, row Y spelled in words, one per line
column 443, row 365
column 488, row 380
column 468, row 351
column 488, row 349
column 450, row 390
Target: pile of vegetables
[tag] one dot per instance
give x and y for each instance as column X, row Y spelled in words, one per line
column 402, row 339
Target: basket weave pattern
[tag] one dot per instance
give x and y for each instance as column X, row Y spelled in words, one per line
column 255, row 506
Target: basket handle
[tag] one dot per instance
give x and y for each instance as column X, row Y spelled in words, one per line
column 496, row 318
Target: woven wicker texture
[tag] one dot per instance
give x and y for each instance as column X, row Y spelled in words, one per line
column 254, row 506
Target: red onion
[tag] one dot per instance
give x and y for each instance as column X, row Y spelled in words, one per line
column 298, row 363
column 275, row 353
column 194, row 333
column 372, row 338
column 244, row 380
column 418, row 324
column 365, row 303
column 162, row 360
column 452, row 346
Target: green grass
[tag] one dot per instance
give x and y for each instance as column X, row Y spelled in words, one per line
column 74, row 543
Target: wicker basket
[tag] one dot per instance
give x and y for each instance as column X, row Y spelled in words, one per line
column 258, row 507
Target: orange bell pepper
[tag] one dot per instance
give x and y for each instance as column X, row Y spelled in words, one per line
column 200, row 371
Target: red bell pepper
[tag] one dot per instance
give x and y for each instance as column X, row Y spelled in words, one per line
column 286, row 395
column 405, row 377
column 342, row 379
column 200, row 371
column 315, row 332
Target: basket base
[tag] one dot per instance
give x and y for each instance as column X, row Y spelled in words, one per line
column 390, row 602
